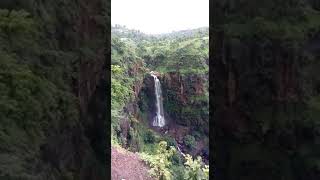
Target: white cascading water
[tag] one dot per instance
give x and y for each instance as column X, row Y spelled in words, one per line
column 159, row 118
column 180, row 150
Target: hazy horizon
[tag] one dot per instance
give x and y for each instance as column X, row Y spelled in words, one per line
column 159, row 17
column 135, row 29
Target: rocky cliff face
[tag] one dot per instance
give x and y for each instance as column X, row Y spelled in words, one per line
column 186, row 99
column 132, row 110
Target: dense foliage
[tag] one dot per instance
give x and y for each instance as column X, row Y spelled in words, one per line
column 38, row 104
column 134, row 54
column 162, row 166
column 160, row 162
column 194, row 169
column 265, row 89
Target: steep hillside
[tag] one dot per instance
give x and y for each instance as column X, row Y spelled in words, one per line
column 180, row 63
column 127, row 165
column 266, row 90
column 52, row 89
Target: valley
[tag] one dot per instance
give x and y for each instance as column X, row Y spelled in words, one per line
column 160, row 95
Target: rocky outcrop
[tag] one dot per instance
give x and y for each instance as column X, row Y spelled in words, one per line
column 137, row 70
column 131, row 112
column 185, row 86
column 186, row 99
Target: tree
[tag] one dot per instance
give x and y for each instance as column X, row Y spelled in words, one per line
column 160, row 163
column 189, row 141
column 194, row 169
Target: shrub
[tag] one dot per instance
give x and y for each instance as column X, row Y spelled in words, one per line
column 194, row 169
column 149, row 137
column 135, row 141
column 178, row 172
column 175, row 159
column 160, row 163
column 189, row 141
column 171, row 141
column 196, row 134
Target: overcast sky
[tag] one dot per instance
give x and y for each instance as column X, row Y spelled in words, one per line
column 160, row 16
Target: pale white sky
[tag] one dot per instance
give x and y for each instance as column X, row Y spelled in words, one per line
column 160, row 16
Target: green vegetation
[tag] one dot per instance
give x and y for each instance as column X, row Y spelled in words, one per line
column 182, row 55
column 189, row 141
column 194, row 171
column 162, row 167
column 266, row 89
column 160, row 162
column 185, row 55
column 39, row 105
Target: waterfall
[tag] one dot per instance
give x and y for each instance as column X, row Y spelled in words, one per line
column 159, row 118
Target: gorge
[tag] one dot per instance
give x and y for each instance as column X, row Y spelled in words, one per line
column 164, row 110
